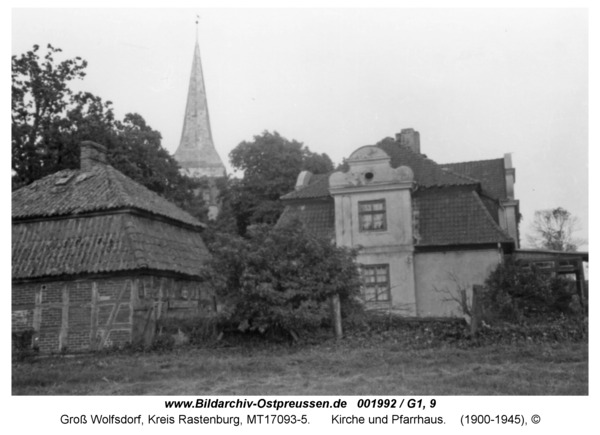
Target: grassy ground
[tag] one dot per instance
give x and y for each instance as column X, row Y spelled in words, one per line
column 324, row 369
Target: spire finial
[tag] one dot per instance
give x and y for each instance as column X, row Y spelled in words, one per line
column 197, row 20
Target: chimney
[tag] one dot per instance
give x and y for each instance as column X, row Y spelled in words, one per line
column 510, row 176
column 92, row 154
column 409, row 138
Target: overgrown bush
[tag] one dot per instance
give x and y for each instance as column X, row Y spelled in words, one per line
column 163, row 342
column 280, row 279
column 560, row 328
column 378, row 329
column 22, row 343
column 198, row 330
column 517, row 294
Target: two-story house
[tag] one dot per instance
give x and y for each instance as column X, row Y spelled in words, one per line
column 426, row 230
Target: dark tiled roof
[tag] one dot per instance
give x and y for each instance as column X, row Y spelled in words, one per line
column 106, row 243
column 489, row 172
column 454, row 216
column 492, row 207
column 318, row 187
column 317, row 216
column 450, row 212
column 447, row 216
column 427, row 172
column 72, row 192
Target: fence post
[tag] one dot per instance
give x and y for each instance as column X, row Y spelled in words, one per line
column 336, row 315
column 476, row 308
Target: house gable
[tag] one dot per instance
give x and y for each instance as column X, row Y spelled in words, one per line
column 373, row 210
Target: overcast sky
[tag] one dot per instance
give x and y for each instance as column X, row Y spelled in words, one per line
column 475, row 83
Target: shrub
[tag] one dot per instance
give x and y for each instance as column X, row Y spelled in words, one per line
column 22, row 343
column 281, row 278
column 199, row 330
column 163, row 342
column 514, row 293
column 407, row 334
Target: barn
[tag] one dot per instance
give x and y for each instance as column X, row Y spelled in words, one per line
column 98, row 259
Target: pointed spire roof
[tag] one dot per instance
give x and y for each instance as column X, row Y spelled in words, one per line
column 196, row 154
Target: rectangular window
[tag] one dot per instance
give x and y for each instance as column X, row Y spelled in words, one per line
column 376, row 283
column 371, row 215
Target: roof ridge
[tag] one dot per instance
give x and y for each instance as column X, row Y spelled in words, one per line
column 428, row 173
column 321, row 180
column 471, row 161
column 490, row 173
column 102, row 188
column 424, row 158
column 112, row 178
column 117, row 177
column 466, row 177
column 489, row 218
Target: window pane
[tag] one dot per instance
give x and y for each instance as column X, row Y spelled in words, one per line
column 376, row 283
column 369, row 271
column 381, row 275
column 381, row 270
column 378, row 221
column 382, row 293
column 370, row 294
column 372, row 215
column 366, row 222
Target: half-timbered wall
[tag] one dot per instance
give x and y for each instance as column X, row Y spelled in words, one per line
column 90, row 314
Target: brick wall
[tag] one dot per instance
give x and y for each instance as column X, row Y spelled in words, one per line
column 89, row 314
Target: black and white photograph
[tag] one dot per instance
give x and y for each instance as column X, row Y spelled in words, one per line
column 373, row 204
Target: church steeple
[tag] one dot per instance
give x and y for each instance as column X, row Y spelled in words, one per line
column 196, row 154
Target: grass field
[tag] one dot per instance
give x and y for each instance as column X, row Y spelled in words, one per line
column 328, row 368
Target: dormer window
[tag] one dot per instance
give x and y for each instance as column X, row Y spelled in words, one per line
column 371, row 215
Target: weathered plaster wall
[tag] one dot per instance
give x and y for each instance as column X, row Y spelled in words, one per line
column 398, row 217
column 371, row 178
column 446, row 271
column 392, row 246
column 94, row 313
column 402, row 285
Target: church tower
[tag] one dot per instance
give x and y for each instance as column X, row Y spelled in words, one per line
column 196, row 153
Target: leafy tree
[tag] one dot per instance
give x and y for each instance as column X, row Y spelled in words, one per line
column 271, row 164
column 225, row 222
column 49, row 122
column 515, row 293
column 280, row 278
column 553, row 230
column 40, row 97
